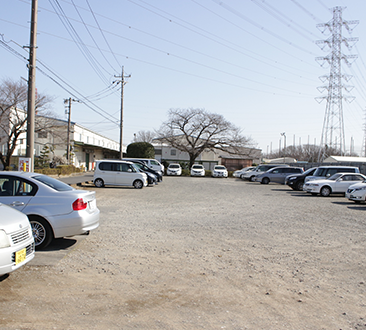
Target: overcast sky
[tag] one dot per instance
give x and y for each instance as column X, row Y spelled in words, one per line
column 253, row 61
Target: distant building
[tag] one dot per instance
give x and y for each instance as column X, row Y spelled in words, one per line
column 344, row 159
column 208, row 158
column 86, row 145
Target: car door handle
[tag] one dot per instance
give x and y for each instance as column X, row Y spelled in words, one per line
column 17, row 204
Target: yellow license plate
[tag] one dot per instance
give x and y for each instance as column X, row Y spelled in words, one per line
column 20, row 256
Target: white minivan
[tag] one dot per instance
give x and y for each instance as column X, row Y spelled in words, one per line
column 118, row 173
column 152, row 163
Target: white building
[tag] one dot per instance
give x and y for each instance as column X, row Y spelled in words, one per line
column 86, row 146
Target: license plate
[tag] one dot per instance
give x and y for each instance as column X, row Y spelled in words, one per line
column 20, row 256
column 93, row 204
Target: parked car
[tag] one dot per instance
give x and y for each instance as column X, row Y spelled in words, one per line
column 149, row 162
column 337, row 184
column 219, row 171
column 323, row 172
column 296, row 181
column 152, row 178
column 277, row 174
column 240, row 173
column 357, row 192
column 250, row 175
column 198, row 170
column 16, row 240
column 174, row 169
column 118, row 173
column 145, row 168
column 54, row 209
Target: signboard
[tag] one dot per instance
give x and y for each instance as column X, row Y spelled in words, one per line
column 24, row 164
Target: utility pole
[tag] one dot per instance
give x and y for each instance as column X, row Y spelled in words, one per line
column 32, row 86
column 68, row 101
column 333, row 126
column 122, row 77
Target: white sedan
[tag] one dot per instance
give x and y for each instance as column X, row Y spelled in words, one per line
column 198, row 170
column 174, row 169
column 357, row 192
column 54, row 209
column 219, row 171
column 16, row 240
column 336, row 184
column 240, row 173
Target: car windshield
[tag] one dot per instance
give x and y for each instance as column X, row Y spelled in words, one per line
column 308, row 171
column 174, row 165
column 262, row 168
column 53, row 183
column 220, row 168
column 334, row 176
column 197, row 167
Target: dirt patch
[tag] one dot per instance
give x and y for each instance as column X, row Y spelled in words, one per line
column 202, row 253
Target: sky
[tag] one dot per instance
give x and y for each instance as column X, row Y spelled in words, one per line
column 252, row 61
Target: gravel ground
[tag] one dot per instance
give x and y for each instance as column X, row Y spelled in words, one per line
column 202, row 253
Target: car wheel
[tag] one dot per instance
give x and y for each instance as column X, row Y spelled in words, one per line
column 265, row 181
column 242, row 177
column 251, row 179
column 138, row 184
column 299, row 185
column 325, row 191
column 42, row 232
column 99, row 183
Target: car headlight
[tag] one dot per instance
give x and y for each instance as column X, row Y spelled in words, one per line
column 293, row 178
column 359, row 189
column 4, row 240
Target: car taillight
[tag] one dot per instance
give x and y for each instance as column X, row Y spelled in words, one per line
column 79, row 205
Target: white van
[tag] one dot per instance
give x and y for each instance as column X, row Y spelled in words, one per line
column 152, row 163
column 118, row 173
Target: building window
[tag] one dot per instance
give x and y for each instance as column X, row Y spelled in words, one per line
column 157, row 151
column 173, row 152
column 42, row 135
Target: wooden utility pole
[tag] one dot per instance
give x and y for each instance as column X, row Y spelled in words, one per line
column 32, row 86
column 122, row 77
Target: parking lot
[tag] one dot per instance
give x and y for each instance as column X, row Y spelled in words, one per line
column 200, row 253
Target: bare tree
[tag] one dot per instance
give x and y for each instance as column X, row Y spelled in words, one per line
column 196, row 130
column 13, row 116
column 144, row 136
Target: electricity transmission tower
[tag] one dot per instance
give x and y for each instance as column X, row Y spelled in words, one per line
column 333, row 138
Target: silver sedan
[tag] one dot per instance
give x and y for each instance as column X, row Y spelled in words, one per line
column 54, row 209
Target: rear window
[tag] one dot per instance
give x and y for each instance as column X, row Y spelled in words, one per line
column 53, row 183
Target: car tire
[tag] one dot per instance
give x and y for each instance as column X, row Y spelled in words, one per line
column 299, row 185
column 251, row 179
column 265, row 181
column 99, row 183
column 138, row 184
column 42, row 232
column 325, row 191
column 242, row 177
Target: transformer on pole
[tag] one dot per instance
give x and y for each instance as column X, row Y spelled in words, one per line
column 333, row 138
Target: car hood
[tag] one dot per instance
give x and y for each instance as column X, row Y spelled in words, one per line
column 357, row 185
column 322, row 181
column 12, row 220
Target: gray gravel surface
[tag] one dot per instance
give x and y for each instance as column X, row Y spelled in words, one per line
column 202, row 253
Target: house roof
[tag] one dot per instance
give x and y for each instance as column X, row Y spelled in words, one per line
column 333, row 159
